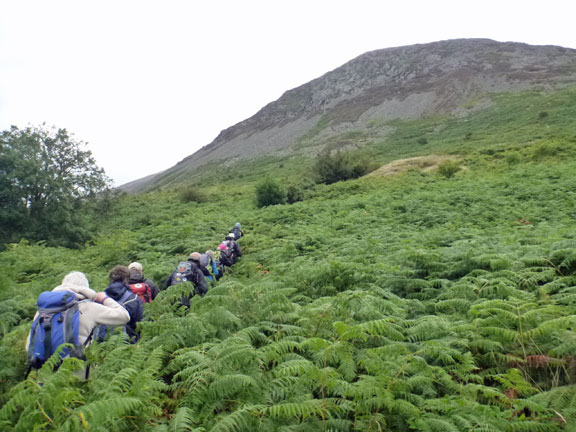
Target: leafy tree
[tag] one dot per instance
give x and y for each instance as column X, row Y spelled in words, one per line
column 45, row 180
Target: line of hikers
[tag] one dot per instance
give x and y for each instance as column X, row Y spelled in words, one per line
column 73, row 313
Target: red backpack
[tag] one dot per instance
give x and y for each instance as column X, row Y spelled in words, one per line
column 142, row 290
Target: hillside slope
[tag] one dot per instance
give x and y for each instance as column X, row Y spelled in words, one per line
column 380, row 86
column 405, row 303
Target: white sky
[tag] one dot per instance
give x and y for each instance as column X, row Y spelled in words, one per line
column 147, row 83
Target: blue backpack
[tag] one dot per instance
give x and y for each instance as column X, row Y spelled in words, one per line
column 57, row 323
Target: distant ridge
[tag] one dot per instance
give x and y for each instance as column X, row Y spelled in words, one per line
column 392, row 83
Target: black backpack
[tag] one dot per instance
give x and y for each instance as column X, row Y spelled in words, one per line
column 227, row 256
column 183, row 273
column 132, row 304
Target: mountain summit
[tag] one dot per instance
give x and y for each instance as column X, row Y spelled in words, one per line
column 393, row 83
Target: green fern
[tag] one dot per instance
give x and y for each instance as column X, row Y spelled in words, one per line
column 183, row 421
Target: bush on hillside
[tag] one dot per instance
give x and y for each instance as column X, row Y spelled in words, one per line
column 333, row 167
column 192, row 194
column 269, row 192
column 513, row 158
column 294, row 194
column 298, row 192
column 544, row 151
column 449, row 168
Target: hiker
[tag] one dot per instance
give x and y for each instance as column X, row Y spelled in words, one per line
column 237, row 231
column 197, row 258
column 145, row 288
column 189, row 271
column 208, row 260
column 91, row 309
column 118, row 290
column 229, row 251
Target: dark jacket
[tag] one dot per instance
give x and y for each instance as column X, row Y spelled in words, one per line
column 237, row 232
column 196, row 276
column 136, row 277
column 203, row 269
column 235, row 247
column 131, row 302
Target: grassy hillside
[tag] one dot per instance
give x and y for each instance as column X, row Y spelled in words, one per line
column 404, row 303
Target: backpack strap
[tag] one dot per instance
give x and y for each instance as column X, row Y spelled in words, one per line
column 47, row 332
column 91, row 335
column 69, row 324
column 126, row 297
column 147, row 292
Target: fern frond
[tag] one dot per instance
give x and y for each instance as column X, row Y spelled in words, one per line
column 434, row 424
column 382, row 327
column 426, row 328
column 302, row 410
column 486, row 345
column 552, row 325
column 104, row 411
column 422, row 385
column 239, row 420
column 404, row 408
column 182, row 421
column 233, row 355
column 502, row 334
column 276, row 350
column 293, row 368
column 228, row 385
column 452, row 306
column 530, row 426
column 489, row 395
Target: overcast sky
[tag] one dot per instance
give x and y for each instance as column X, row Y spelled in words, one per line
column 147, row 83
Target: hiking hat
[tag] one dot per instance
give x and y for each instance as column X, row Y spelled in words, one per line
column 195, row 256
column 231, row 236
column 221, row 246
column 135, row 266
column 237, row 224
column 77, row 282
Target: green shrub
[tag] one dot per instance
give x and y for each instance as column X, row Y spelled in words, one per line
column 294, row 194
column 449, row 168
column 333, row 167
column 269, row 192
column 543, row 151
column 299, row 191
column 512, row 158
column 192, row 194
